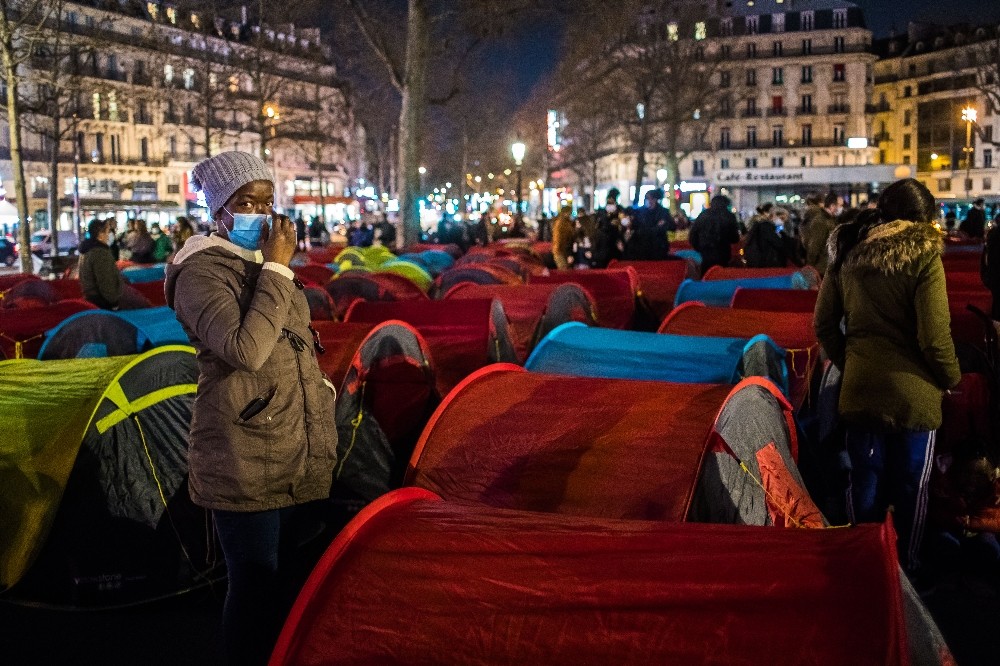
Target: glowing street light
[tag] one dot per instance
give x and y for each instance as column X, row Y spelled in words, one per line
column 661, row 175
column 969, row 115
column 422, row 170
column 518, row 150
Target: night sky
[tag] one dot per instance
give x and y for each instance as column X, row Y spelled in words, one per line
column 535, row 48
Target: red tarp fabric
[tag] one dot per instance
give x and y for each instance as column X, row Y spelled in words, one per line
column 24, row 330
column 476, row 273
column 658, row 281
column 743, row 273
column 775, row 300
column 793, row 331
column 349, row 287
column 524, row 305
column 8, row 281
column 418, row 581
column 572, row 445
column 68, row 288
column 966, row 326
column 788, row 504
column 341, row 342
column 614, row 291
column 964, row 280
column 314, row 273
column 456, row 331
column 152, row 292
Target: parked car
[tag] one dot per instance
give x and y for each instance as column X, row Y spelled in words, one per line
column 41, row 243
column 8, row 252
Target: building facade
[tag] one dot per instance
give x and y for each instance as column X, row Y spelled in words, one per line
column 143, row 91
column 924, row 81
column 795, row 82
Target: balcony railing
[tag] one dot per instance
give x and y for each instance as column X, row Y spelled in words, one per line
column 776, row 113
column 839, row 108
column 805, row 111
column 750, row 113
column 881, row 107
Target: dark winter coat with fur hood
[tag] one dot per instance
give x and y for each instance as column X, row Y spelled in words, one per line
column 263, row 434
column 897, row 355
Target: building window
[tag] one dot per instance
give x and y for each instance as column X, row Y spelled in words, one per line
column 777, row 75
column 906, row 159
column 113, row 106
column 840, row 104
column 724, row 163
column 752, row 25
column 777, row 105
column 699, row 167
column 807, row 74
column 839, row 135
column 724, row 79
column 988, row 159
column 96, row 102
column 751, row 137
column 751, row 110
column 987, row 184
column 188, row 79
column 802, row 161
column 778, row 162
column 726, row 108
column 839, row 72
column 778, row 136
column 807, row 47
column 700, row 30
column 172, row 15
column 750, row 162
column 906, row 142
column 172, row 145
column 807, row 104
column 778, row 22
column 839, row 18
column 726, row 27
column 907, row 117
column 168, row 74
column 839, row 46
column 673, row 33
column 751, row 77
column 807, row 135
column 988, row 131
column 777, row 49
column 944, row 184
column 751, row 50
column 807, row 20
column 724, row 139
column 727, row 51
column 908, row 91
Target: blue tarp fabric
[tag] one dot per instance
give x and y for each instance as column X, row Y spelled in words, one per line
column 141, row 274
column 578, row 350
column 155, row 327
column 719, row 293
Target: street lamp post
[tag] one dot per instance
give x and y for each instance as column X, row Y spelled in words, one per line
column 969, row 116
column 517, row 150
column 77, row 217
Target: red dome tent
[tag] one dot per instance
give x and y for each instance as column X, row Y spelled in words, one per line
column 775, row 300
column 463, row 336
column 532, row 309
column 341, row 342
column 385, row 400
column 613, row 289
column 417, row 580
column 314, row 273
column 30, row 294
column 357, row 285
column 476, row 273
column 22, row 332
column 792, row 331
column 659, row 281
column 605, row 448
column 742, row 273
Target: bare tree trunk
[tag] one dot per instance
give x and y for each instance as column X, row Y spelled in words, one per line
column 593, row 182
column 411, row 117
column 640, row 158
column 673, row 168
column 14, row 119
column 53, row 198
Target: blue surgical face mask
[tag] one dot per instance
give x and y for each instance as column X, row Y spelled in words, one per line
column 247, row 228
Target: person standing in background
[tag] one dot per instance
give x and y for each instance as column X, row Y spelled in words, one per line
column 714, row 232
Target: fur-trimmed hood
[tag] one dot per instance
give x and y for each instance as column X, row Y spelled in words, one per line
column 891, row 247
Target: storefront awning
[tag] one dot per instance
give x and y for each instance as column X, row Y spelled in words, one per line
column 122, row 204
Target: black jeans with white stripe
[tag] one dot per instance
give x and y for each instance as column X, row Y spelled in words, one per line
column 892, row 470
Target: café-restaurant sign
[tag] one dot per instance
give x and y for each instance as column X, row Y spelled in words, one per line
column 876, row 173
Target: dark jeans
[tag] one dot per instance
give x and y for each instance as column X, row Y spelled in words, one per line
column 892, row 469
column 260, row 549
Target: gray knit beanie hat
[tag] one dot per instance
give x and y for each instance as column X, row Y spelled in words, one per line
column 219, row 177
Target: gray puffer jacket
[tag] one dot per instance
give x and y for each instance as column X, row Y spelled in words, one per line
column 262, row 434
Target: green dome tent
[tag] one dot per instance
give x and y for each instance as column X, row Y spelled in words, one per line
column 93, row 467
